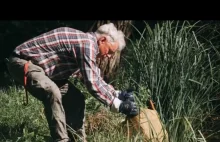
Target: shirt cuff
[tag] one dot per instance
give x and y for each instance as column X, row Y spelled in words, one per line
column 115, row 105
column 117, row 92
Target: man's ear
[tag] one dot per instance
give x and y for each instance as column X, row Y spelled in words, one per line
column 102, row 40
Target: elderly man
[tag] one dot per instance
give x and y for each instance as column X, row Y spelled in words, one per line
column 45, row 63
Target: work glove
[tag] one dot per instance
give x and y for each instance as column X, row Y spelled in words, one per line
column 125, row 95
column 126, row 107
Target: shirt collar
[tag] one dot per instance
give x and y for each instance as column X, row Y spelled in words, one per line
column 94, row 38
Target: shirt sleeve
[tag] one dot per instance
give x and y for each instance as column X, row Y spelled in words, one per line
column 95, row 84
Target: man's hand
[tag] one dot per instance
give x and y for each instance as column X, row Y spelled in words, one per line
column 128, row 108
column 125, row 95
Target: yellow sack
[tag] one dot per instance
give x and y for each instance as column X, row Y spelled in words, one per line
column 148, row 124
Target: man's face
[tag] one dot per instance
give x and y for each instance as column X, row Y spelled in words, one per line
column 106, row 48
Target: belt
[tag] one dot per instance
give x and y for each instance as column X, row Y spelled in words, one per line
column 19, row 56
column 15, row 55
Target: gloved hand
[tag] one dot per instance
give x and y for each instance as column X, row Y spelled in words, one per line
column 125, row 95
column 128, row 108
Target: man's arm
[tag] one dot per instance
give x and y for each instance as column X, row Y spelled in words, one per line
column 91, row 75
column 102, row 91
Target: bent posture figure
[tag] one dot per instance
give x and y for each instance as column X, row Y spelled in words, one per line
column 59, row 54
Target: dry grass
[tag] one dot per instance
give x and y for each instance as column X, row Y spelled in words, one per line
column 102, row 120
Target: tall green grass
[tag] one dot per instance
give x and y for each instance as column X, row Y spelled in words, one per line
column 169, row 65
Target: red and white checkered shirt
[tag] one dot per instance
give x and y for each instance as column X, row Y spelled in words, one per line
column 61, row 52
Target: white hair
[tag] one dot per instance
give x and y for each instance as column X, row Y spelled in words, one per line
column 112, row 34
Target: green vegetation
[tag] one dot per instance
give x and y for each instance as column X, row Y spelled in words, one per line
column 170, row 65
column 174, row 64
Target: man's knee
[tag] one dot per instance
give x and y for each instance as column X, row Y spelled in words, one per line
column 42, row 87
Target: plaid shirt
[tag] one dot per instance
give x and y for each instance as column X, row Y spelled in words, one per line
column 64, row 51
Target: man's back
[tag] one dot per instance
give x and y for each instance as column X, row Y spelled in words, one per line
column 56, row 51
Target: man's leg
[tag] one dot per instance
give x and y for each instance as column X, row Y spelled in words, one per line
column 44, row 89
column 74, row 106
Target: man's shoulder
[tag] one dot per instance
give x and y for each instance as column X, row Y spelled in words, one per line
column 68, row 29
column 85, row 37
column 92, row 37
